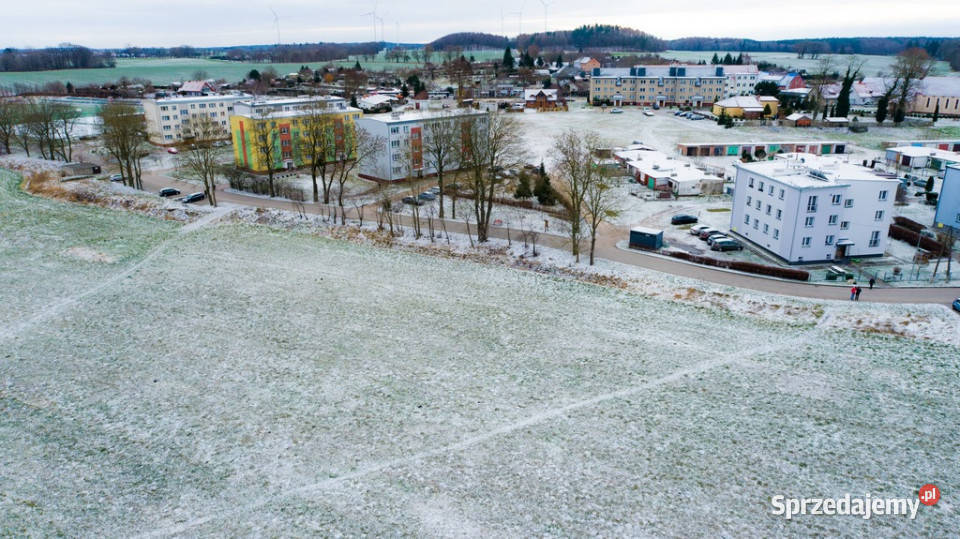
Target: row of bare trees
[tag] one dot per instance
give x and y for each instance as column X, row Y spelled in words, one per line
column 43, row 126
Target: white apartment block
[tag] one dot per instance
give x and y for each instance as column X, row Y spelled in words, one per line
column 406, row 135
column 741, row 79
column 168, row 119
column 808, row 208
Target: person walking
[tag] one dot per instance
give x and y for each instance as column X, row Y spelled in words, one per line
column 853, row 292
column 857, row 294
column 873, row 281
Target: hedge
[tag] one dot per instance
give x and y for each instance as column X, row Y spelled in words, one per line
column 898, row 232
column 748, row 267
column 908, row 223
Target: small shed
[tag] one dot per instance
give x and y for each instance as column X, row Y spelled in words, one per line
column 645, row 238
column 800, row 119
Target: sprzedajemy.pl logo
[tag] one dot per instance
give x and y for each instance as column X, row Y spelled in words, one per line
column 864, row 507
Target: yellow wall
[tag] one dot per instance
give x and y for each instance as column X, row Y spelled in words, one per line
column 245, row 154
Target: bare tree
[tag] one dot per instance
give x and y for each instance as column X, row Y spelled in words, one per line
column 357, row 147
column 124, row 134
column 821, row 78
column 599, row 205
column 441, row 147
column 577, row 169
column 10, row 113
column 911, row 67
column 200, row 155
column 266, row 144
column 491, row 145
column 317, row 145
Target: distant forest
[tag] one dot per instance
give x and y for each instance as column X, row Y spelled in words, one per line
column 585, row 37
column 71, row 57
column 292, row 53
column 470, row 40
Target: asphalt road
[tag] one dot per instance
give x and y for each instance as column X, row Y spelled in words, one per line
column 607, row 249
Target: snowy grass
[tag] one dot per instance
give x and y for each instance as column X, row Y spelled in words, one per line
column 246, row 380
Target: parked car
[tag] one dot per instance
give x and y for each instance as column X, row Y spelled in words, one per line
column 697, row 229
column 426, row 195
column 435, row 189
column 413, row 200
column 616, row 110
column 647, row 111
column 192, row 197
column 726, row 245
column 173, row 150
column 168, row 192
column 714, row 238
column 683, row 219
column 956, row 304
column 116, row 177
column 706, row 233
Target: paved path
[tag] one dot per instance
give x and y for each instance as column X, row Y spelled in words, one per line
column 607, row 249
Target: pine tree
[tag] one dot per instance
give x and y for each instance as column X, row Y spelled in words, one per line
column 523, row 187
column 882, row 105
column 739, row 60
column 715, row 60
column 543, row 190
column 727, row 60
column 357, row 67
column 404, row 91
column 353, row 101
column 559, row 62
column 899, row 114
column 508, row 58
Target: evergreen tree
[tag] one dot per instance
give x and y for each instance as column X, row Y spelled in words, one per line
column 766, row 110
column 253, row 75
column 715, row 60
column 739, row 60
column 843, row 99
column 543, row 190
column 353, row 102
column 357, row 67
column 559, row 62
column 539, row 61
column 523, row 187
column 727, row 60
column 404, row 91
column 929, row 186
column 722, row 119
column 508, row 58
column 70, row 91
column 882, row 105
column 936, row 109
column 899, row 114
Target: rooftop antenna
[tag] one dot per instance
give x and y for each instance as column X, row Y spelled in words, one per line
column 546, row 4
column 276, row 24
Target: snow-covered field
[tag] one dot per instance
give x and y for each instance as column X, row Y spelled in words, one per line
column 243, row 380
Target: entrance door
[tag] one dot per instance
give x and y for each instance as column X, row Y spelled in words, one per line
column 841, row 251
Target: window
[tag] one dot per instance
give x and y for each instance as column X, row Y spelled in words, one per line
column 750, row 184
column 766, row 228
column 848, row 203
column 203, row 105
column 805, row 242
column 395, row 143
column 832, row 220
column 883, row 195
column 812, row 204
column 761, row 187
column 213, row 114
column 397, row 170
column 758, row 204
column 168, row 137
column 958, row 217
column 284, row 130
column 756, row 223
column 828, row 240
column 874, row 238
column 781, row 194
column 878, row 215
column 779, row 214
column 835, row 199
column 776, row 233
column 287, row 155
column 746, row 220
column 771, row 190
column 166, row 128
column 163, row 107
column 165, row 118
column 808, row 222
column 844, row 225
column 749, row 200
column 768, row 209
column 192, row 106
column 394, row 130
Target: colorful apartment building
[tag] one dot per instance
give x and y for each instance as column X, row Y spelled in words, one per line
column 284, row 120
column 658, row 85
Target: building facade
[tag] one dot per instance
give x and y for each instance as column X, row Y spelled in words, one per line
column 285, row 120
column 939, row 95
column 741, row 79
column 405, row 134
column 806, row 208
column 658, row 85
column 748, row 107
column 169, row 119
column 948, row 203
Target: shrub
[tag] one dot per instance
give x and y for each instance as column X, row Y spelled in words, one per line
column 908, row 223
column 748, row 267
column 898, row 232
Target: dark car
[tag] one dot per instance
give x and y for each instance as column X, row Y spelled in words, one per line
column 192, row 197
column 412, row 200
column 683, row 219
column 168, row 192
column 427, row 196
column 727, row 245
column 956, row 304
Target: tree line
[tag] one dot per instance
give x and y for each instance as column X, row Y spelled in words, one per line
column 41, row 126
column 73, row 57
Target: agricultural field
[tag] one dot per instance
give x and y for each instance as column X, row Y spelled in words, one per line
column 873, row 64
column 231, row 379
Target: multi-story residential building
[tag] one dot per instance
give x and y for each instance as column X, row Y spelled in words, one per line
column 948, row 203
column 169, row 119
column 806, row 208
column 405, row 134
column 285, row 119
column 741, row 79
column 658, row 85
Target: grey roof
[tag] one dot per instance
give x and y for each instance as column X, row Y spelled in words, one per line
column 691, row 71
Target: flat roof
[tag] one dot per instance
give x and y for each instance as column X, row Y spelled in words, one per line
column 804, row 170
column 645, row 230
column 199, row 98
column 420, row 114
column 925, row 151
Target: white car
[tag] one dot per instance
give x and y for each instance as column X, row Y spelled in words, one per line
column 695, row 230
column 647, row 111
column 616, row 111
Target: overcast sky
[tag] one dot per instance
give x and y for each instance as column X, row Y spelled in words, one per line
column 117, row 23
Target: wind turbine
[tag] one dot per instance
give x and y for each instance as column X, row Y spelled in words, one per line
column 373, row 14
column 546, row 4
column 519, row 15
column 276, row 24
